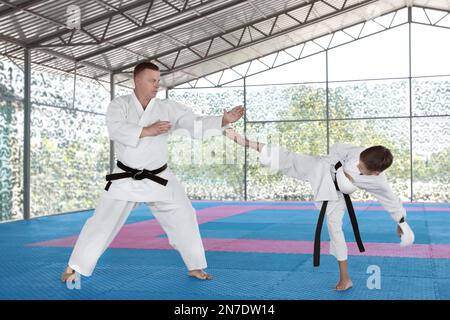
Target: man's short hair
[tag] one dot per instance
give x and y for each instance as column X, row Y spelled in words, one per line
column 144, row 65
column 377, row 158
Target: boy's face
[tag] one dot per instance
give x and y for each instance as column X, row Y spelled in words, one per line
column 363, row 169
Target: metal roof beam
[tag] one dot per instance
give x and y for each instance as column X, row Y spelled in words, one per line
column 40, row 16
column 162, row 29
column 110, row 7
column 12, row 41
column 300, row 57
column 240, row 46
column 38, row 40
column 72, row 59
column 16, row 8
column 44, row 18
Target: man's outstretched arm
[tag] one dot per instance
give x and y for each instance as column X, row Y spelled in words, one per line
column 187, row 123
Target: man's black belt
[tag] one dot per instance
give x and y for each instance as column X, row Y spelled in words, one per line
column 136, row 174
column 353, row 220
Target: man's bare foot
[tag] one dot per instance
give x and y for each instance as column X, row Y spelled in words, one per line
column 68, row 275
column 199, row 274
column 343, row 285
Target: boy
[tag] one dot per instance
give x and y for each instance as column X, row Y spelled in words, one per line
column 361, row 168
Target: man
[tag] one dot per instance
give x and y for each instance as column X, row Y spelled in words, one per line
column 139, row 125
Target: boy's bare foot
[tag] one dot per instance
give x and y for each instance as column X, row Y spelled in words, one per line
column 344, row 285
column 199, row 274
column 68, row 275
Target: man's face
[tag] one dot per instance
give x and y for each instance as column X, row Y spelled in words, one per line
column 147, row 82
column 363, row 169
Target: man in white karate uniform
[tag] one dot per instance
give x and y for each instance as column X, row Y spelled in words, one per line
column 139, row 124
column 361, row 168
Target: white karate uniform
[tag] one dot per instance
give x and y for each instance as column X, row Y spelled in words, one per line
column 125, row 119
column 319, row 172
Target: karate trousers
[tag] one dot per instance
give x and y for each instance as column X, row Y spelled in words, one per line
column 335, row 208
column 177, row 217
column 335, row 215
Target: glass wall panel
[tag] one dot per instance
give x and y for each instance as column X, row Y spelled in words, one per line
column 365, row 99
column 286, row 102
column 213, row 168
column 431, row 96
column 69, row 143
column 11, row 140
column 431, row 155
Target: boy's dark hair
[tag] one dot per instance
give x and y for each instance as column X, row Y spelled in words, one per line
column 377, row 158
column 144, row 65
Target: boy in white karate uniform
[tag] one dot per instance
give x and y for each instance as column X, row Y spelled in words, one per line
column 139, row 124
column 361, row 168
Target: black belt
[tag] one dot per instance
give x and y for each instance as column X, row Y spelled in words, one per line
column 351, row 213
column 136, row 174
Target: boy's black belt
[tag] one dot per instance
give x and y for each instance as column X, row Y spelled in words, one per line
column 351, row 213
column 136, row 174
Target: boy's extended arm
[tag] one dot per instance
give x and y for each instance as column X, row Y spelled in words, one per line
column 280, row 159
column 243, row 141
column 391, row 202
